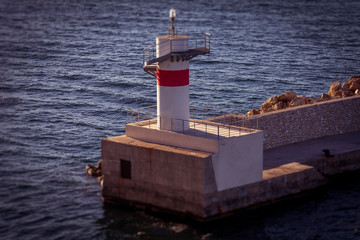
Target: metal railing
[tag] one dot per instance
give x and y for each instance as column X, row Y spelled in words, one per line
column 149, row 53
column 204, row 122
column 205, row 42
column 169, row 46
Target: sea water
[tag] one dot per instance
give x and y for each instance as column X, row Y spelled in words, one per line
column 70, row 69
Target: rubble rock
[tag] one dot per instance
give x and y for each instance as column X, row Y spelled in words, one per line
column 99, row 164
column 252, row 112
column 298, row 101
column 290, row 99
column 353, row 83
column 325, row 96
column 354, row 86
column 346, row 93
column 334, row 90
column 286, row 96
column 278, row 106
column 100, row 180
column 306, row 99
column 269, row 103
column 316, row 100
column 93, row 171
column 267, row 110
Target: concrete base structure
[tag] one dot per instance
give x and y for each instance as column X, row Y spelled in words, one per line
column 209, row 175
column 183, row 181
column 160, row 176
column 178, row 172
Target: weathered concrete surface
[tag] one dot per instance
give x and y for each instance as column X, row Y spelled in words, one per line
column 344, row 148
column 278, row 182
column 171, row 138
column 161, row 176
column 183, row 180
column 291, row 125
column 289, row 170
column 238, row 161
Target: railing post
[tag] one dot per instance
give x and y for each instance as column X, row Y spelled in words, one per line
column 209, row 44
column 218, row 132
column 205, row 43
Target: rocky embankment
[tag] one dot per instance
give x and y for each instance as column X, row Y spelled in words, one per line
column 95, row 171
column 289, row 99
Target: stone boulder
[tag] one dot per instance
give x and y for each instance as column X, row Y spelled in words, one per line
column 269, row 103
column 290, row 99
column 252, row 112
column 346, row 92
column 277, row 102
column 94, row 171
column 100, row 180
column 352, row 84
column 334, row 90
column 325, row 96
column 347, row 89
column 99, row 164
column 298, row 101
column 286, row 96
column 279, row 105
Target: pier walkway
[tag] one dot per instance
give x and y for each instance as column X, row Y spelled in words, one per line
column 208, row 129
column 310, row 150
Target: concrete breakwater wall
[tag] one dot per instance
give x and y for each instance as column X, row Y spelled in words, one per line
column 282, row 182
column 305, row 122
column 182, row 181
column 139, row 170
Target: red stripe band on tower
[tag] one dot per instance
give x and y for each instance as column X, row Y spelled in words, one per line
column 175, row 78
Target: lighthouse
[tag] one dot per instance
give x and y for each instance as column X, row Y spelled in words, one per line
column 169, row 161
column 168, row 61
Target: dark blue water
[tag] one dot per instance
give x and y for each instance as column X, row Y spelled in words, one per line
column 69, row 70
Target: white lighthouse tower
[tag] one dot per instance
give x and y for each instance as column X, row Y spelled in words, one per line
column 170, row 66
column 174, row 162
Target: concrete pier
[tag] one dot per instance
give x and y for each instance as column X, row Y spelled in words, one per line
column 288, row 170
column 292, row 169
column 213, row 173
column 344, row 151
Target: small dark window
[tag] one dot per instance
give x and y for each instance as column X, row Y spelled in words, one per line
column 125, row 169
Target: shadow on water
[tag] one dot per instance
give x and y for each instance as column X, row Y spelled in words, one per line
column 311, row 215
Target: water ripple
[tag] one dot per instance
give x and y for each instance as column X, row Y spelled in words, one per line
column 71, row 69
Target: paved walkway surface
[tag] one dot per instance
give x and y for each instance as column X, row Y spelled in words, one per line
column 311, row 149
column 206, row 130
